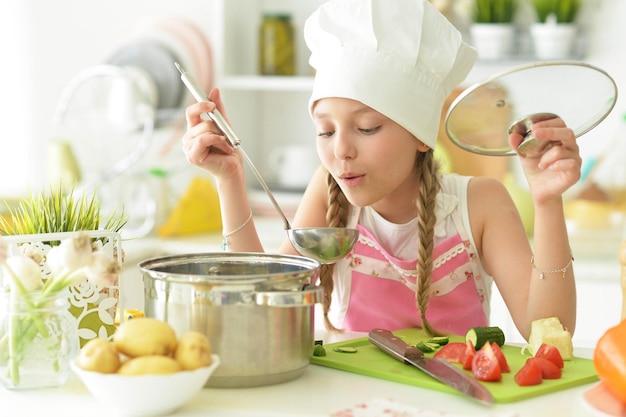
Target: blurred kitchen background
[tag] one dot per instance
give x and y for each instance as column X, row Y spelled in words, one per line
column 48, row 46
column 94, row 83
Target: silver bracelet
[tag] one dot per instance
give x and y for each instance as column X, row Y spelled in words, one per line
column 227, row 235
column 542, row 273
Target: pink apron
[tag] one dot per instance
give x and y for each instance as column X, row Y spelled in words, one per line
column 382, row 288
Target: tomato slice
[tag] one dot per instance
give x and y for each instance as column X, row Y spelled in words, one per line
column 550, row 353
column 548, row 369
column 452, row 352
column 504, row 365
column 529, row 374
column 468, row 357
column 485, row 365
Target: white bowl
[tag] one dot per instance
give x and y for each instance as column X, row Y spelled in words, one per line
column 145, row 395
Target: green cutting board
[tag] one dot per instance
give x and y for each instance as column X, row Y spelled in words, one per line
column 371, row 361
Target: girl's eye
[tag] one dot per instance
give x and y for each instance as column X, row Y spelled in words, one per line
column 325, row 134
column 370, row 130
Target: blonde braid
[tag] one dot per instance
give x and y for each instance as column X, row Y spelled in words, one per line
column 336, row 216
column 429, row 187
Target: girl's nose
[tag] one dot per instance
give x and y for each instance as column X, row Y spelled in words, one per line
column 344, row 147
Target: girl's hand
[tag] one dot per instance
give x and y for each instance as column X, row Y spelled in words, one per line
column 558, row 168
column 205, row 145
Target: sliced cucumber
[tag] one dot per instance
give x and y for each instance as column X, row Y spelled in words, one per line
column 478, row 336
column 427, row 347
column 439, row 340
column 345, row 349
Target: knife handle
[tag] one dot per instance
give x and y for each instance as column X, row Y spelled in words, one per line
column 396, row 347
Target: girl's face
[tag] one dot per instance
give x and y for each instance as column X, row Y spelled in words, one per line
column 371, row 157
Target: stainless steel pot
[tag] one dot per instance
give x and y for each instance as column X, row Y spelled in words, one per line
column 255, row 308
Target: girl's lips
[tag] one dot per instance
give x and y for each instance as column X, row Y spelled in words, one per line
column 352, row 180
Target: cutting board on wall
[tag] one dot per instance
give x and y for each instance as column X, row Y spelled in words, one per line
column 371, row 361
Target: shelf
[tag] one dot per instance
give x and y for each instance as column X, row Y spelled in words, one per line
column 267, row 83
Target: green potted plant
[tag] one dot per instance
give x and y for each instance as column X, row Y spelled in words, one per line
column 57, row 211
column 494, row 11
column 554, row 32
column 562, row 11
column 38, row 223
column 492, row 28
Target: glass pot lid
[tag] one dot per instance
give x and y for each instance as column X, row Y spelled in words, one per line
column 481, row 117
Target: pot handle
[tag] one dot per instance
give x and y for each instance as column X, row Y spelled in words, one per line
column 309, row 296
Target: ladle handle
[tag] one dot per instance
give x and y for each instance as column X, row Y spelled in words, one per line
column 222, row 124
column 269, row 193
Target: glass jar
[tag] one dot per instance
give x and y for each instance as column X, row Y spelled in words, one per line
column 38, row 339
column 276, row 45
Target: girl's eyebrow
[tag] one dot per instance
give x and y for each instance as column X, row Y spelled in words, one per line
column 360, row 110
column 317, row 115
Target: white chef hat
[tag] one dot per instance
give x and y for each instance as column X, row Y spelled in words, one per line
column 400, row 57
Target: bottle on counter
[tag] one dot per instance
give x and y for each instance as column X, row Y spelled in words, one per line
column 276, row 45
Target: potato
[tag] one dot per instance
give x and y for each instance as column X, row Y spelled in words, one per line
column 193, row 351
column 150, row 364
column 98, row 355
column 145, row 336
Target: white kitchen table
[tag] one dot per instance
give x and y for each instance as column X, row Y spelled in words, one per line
column 320, row 391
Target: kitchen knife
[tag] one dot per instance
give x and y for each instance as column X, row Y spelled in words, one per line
column 436, row 368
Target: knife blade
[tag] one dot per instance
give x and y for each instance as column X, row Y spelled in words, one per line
column 436, row 368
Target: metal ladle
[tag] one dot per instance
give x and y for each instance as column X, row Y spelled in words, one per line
column 324, row 244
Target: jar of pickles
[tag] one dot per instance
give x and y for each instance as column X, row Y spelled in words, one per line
column 276, row 45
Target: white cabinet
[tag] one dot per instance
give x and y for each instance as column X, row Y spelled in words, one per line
column 266, row 111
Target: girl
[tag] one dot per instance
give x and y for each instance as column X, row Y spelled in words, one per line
column 431, row 244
